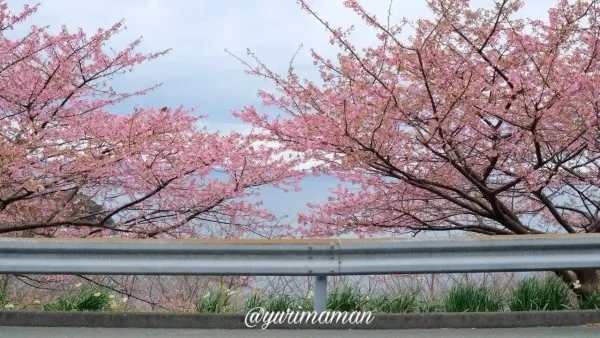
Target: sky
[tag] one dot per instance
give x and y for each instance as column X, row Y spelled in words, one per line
column 199, row 73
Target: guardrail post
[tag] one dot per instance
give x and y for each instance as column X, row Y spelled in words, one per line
column 320, row 294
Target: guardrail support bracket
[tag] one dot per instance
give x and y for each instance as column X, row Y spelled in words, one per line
column 320, row 294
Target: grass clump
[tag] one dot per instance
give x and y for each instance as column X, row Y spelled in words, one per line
column 535, row 294
column 254, row 301
column 273, row 303
column 216, row 301
column 280, row 303
column 403, row 302
column 306, row 303
column 84, row 299
column 471, row 298
column 345, row 298
column 433, row 305
column 589, row 301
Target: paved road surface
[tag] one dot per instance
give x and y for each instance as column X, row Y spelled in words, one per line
column 43, row 332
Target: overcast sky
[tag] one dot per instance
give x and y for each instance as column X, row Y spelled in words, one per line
column 198, row 72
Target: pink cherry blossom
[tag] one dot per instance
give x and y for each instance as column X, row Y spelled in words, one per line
column 480, row 122
column 69, row 167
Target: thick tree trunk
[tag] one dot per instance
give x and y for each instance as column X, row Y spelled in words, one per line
column 582, row 282
column 589, row 281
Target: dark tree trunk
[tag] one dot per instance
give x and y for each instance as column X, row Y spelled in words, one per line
column 589, row 280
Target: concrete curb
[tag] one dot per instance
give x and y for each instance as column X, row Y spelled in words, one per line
column 236, row 321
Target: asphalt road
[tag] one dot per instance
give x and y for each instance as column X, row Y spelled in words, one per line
column 44, row 332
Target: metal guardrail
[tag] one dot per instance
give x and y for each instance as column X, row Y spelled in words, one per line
column 319, row 257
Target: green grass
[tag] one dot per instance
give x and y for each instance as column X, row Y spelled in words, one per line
column 276, row 302
column 403, row 302
column 590, row 301
column 254, row 301
column 431, row 306
column 84, row 299
column 280, row 303
column 471, row 298
column 306, row 303
column 531, row 294
column 216, row 301
column 61, row 304
column 535, row 294
column 345, row 298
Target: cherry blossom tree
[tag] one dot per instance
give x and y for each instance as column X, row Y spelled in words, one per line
column 70, row 167
column 480, row 122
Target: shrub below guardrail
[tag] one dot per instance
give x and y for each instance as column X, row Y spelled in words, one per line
column 345, row 298
column 85, row 299
column 433, row 305
column 534, row 294
column 216, row 301
column 402, row 302
column 590, row 301
column 471, row 298
column 531, row 294
column 2, row 299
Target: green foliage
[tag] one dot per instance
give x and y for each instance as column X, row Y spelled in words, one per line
column 531, row 294
column 2, row 298
column 306, row 304
column 471, row 298
column 85, row 299
column 589, row 301
column 255, row 301
column 403, row 302
column 61, row 304
column 280, row 303
column 534, row 294
column 214, row 302
column 345, row 298
column 432, row 305
column 277, row 302
column 93, row 301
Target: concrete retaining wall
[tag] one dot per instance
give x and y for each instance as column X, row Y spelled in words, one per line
column 236, row 321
